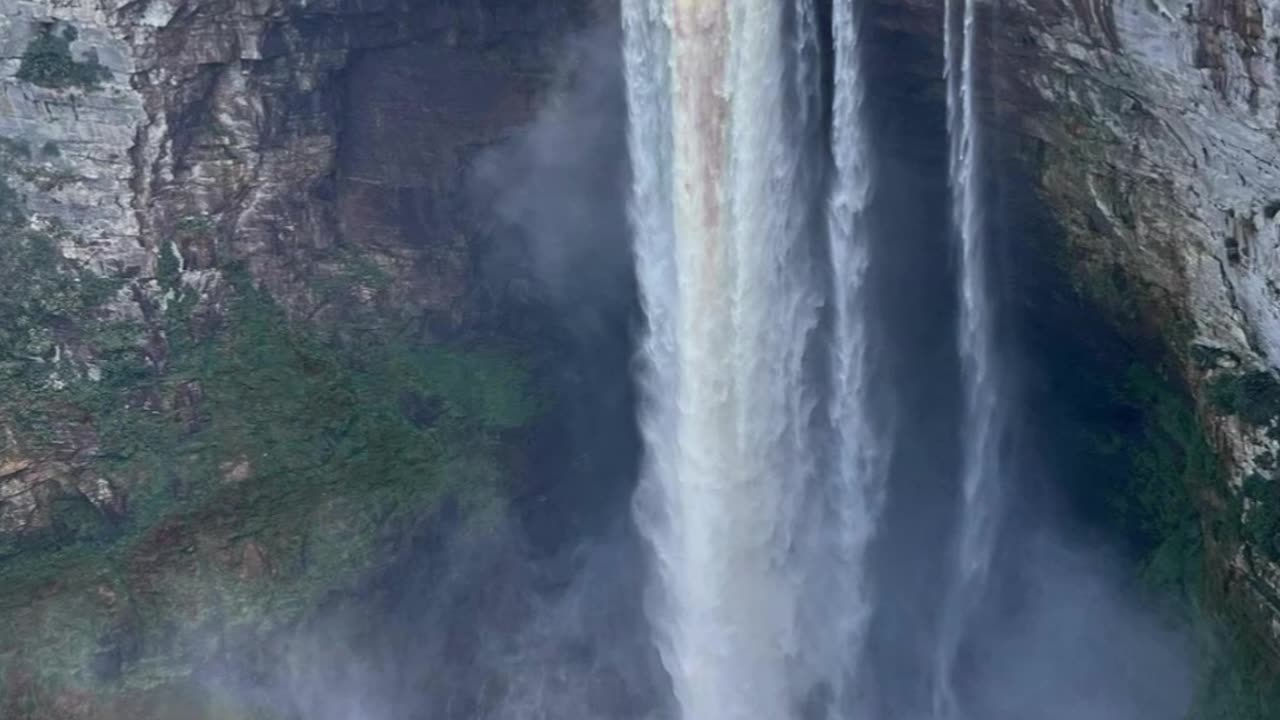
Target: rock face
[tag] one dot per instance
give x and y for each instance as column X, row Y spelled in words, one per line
column 158, row 157
column 1152, row 131
column 220, row 124
column 1157, row 130
column 182, row 181
column 297, row 139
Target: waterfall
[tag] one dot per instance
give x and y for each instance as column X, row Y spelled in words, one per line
column 858, row 470
column 980, row 473
column 759, row 489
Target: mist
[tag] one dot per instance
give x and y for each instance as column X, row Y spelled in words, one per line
column 538, row 613
column 534, row 611
column 557, row 188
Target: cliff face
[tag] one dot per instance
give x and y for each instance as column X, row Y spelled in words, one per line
column 274, row 132
column 1155, row 129
column 241, row 271
column 1152, row 133
column 197, row 196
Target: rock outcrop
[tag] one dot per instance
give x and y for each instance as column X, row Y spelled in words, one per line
column 1152, row 131
column 185, row 182
column 307, row 142
column 1157, row 134
column 162, row 160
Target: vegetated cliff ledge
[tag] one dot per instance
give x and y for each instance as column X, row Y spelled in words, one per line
column 1151, row 133
column 244, row 343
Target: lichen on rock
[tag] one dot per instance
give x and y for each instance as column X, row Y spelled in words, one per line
column 48, row 62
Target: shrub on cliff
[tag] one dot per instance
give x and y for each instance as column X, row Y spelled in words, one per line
column 47, row 62
column 1262, row 522
column 1254, row 396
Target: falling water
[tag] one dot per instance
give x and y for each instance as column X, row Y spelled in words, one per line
column 757, row 496
column 980, row 473
column 857, row 473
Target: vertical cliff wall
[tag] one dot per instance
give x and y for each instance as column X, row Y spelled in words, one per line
column 1150, row 133
column 1154, row 129
column 245, row 342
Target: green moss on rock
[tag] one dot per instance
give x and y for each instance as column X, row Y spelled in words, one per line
column 1164, row 479
column 48, row 62
column 1154, row 463
column 1262, row 517
column 264, row 464
column 269, row 466
column 50, row 308
column 1253, row 396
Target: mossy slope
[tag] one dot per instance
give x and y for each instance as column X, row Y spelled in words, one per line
column 257, row 464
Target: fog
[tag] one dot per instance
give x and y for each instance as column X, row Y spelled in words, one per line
column 538, row 613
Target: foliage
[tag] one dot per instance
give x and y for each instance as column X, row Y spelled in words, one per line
column 1156, row 482
column 193, row 227
column 50, row 304
column 232, row 431
column 1262, row 517
column 1159, row 460
column 47, row 62
column 169, row 267
column 1237, row 677
column 258, row 430
column 1253, row 396
column 1171, row 469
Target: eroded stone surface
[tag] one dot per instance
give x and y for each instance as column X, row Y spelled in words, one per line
column 1154, row 130
column 313, row 143
column 286, row 135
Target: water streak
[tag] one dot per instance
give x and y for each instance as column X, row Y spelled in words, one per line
column 858, row 472
column 981, row 471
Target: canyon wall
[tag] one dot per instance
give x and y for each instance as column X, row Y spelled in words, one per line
column 201, row 199
column 1155, row 131
column 246, row 343
column 1151, row 134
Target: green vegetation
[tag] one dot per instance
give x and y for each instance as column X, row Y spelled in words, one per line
column 49, row 304
column 1253, row 396
column 264, row 462
column 343, row 446
column 1133, row 435
column 258, row 464
column 169, row 268
column 193, row 227
column 1262, row 517
column 1160, row 476
column 47, row 62
column 1161, row 463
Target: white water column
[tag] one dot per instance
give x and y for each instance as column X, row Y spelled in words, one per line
column 981, row 471
column 757, row 494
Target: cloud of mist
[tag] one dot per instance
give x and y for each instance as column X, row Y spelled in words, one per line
column 559, row 185
column 495, row 632
column 490, row 626
column 1067, row 631
column 494, row 624
column 1075, row 637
